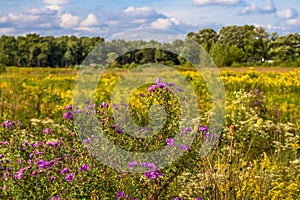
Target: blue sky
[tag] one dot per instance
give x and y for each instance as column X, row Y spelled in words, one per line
column 107, row 17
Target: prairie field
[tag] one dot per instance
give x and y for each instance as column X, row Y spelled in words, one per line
column 43, row 154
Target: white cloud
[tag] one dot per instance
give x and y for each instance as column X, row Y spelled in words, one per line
column 54, row 7
column 22, row 17
column 56, row 2
column 252, row 8
column 140, row 11
column 91, row 20
column 6, row 30
column 112, row 22
column 271, row 28
column 89, row 29
column 162, row 23
column 216, row 2
column 68, row 20
column 3, row 19
column 45, row 25
column 287, row 13
column 293, row 22
column 41, row 11
column 139, row 21
column 175, row 20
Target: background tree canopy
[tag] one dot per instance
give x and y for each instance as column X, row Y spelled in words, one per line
column 233, row 46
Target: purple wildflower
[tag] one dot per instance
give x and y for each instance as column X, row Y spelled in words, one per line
column 132, row 164
column 1, row 156
column 51, row 178
column 217, row 137
column 149, row 166
column 170, row 142
column 64, row 170
column 170, row 84
column 19, row 174
column 184, row 147
column 179, row 89
column 114, row 126
column 34, row 145
column 120, row 194
column 153, row 175
column 4, row 143
column 206, row 136
column 119, row 131
column 187, row 129
column 158, row 80
column 86, row 141
column 84, row 167
column 152, row 88
column 68, row 115
column 8, row 124
column 115, row 106
column 56, row 197
column 104, row 104
column 258, row 102
column 43, row 164
column 69, row 107
column 161, row 85
column 203, row 128
column 91, row 107
column 70, row 177
column 54, row 144
column 47, row 131
column 198, row 198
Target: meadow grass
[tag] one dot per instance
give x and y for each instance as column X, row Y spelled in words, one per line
column 42, row 155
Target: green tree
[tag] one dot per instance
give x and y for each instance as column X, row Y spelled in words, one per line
column 220, row 54
column 8, row 50
column 205, row 37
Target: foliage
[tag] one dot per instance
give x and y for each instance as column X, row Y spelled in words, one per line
column 233, row 45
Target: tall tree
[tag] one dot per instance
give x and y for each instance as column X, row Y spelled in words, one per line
column 205, row 37
column 8, row 50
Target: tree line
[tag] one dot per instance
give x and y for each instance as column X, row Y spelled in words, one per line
column 33, row 50
column 231, row 46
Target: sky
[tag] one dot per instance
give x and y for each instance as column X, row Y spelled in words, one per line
column 108, row 17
